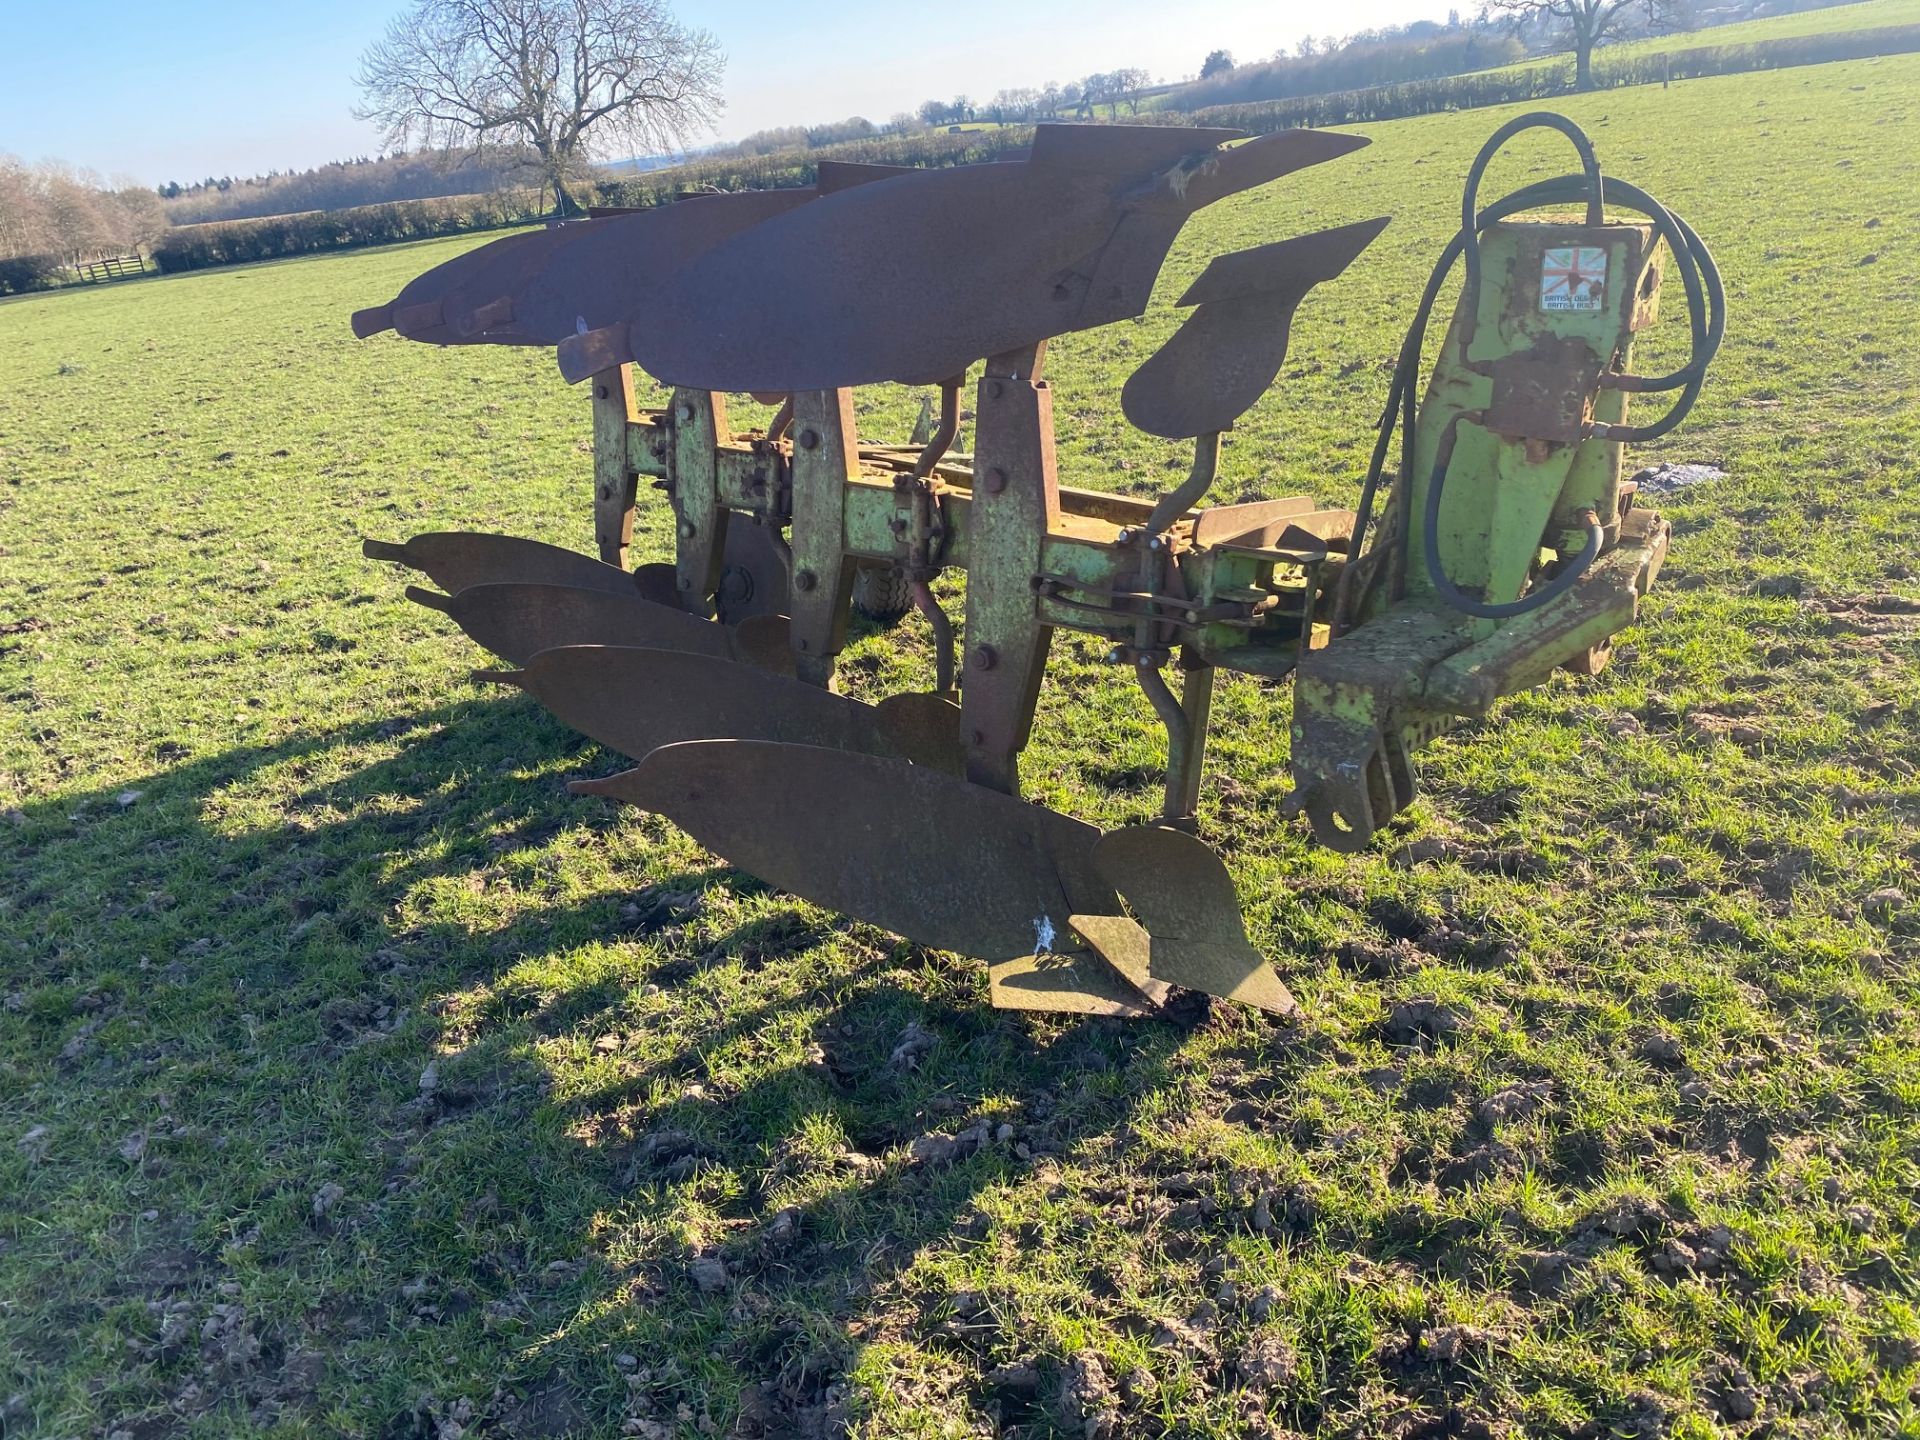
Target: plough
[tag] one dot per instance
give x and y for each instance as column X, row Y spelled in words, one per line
column 1505, row 546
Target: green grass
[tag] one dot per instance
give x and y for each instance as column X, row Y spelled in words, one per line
column 1833, row 19
column 1861, row 15
column 1600, row 1118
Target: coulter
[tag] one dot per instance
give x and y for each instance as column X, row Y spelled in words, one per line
column 1503, row 544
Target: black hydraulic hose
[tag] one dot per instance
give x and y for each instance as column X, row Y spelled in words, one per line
column 1706, row 308
column 1470, row 192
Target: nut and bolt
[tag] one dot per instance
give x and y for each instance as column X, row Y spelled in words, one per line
column 994, row 481
column 809, row 440
column 985, row 657
column 688, row 410
column 995, row 389
column 804, row 580
column 686, row 530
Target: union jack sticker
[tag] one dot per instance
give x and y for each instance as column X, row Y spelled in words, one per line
column 1574, row 278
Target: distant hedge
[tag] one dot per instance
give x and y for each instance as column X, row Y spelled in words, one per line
column 1539, row 82
column 927, row 149
column 231, row 242
column 20, row 273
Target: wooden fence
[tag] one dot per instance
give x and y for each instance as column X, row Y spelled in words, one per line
column 113, row 267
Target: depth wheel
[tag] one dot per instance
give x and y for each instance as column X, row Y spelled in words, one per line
column 882, row 594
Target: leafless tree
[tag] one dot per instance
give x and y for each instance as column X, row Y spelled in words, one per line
column 1584, row 23
column 567, row 78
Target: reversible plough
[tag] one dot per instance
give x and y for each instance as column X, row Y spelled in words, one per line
column 1505, row 546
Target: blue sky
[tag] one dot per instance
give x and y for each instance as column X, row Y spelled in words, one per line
column 179, row 89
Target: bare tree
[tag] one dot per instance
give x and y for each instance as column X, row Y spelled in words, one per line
column 1584, row 23
column 566, row 78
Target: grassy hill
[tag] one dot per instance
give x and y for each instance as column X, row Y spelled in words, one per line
column 356, row 1079
column 1833, row 20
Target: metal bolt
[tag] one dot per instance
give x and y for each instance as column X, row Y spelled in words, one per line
column 804, row 580
column 995, row 482
column 602, row 391
column 686, row 529
column 809, row 439
column 1116, row 655
column 995, row 389
column 1125, row 537
column 979, row 737
column 685, row 584
column 985, row 657
column 1155, row 543
column 688, row 410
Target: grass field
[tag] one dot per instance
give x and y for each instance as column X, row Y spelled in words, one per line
column 357, row 1079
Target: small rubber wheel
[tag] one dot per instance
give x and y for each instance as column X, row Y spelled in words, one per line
column 882, row 594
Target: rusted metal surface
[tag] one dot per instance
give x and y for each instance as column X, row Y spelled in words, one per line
column 907, row 813
column 1225, row 356
column 916, row 277
column 517, row 622
column 1183, row 898
column 554, row 284
column 925, row 855
column 636, row 700
column 458, row 559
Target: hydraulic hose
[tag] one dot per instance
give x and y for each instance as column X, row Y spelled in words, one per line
column 1706, row 310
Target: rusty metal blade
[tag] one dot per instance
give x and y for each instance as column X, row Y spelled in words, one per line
column 1286, row 266
column 923, row 727
column 915, row 277
column 1127, row 948
column 428, row 303
column 1227, row 353
column 1079, row 984
column 517, row 622
column 1183, row 897
column 457, row 559
column 659, row 582
column 635, row 701
column 608, row 269
column 1264, row 159
column 942, row 862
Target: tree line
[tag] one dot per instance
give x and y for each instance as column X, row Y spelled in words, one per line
column 1420, row 51
column 345, row 184
column 53, row 217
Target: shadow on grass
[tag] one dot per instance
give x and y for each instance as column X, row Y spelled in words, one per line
column 382, row 1150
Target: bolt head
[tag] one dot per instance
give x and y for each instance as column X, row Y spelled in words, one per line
column 995, row 389
column 686, row 529
column 1125, row 537
column 1116, row 655
column 995, row 481
column 985, row 657
column 805, row 580
column 809, row 439
column 688, row 410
